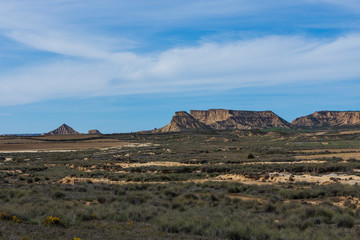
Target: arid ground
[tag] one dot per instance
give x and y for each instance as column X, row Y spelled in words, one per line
column 251, row 184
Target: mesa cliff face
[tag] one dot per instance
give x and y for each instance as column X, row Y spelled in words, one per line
column 222, row 119
column 182, row 121
column 63, row 130
column 329, row 119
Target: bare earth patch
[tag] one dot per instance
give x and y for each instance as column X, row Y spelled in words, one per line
column 339, row 150
column 287, row 177
column 345, row 156
column 56, row 144
column 293, row 162
column 74, row 180
column 159, row 163
column 63, row 143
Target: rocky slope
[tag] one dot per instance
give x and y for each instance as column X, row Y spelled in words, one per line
column 63, row 130
column 182, row 121
column 222, row 119
column 94, row 132
column 329, row 119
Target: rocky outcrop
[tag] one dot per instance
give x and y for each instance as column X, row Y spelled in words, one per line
column 222, row 119
column 182, row 121
column 94, row 132
column 63, row 130
column 329, row 119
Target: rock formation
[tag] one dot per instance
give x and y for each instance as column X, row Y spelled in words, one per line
column 329, row 119
column 222, row 119
column 63, row 130
column 94, row 132
column 182, row 121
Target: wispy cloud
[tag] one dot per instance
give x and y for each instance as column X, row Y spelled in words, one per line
column 96, row 63
column 350, row 4
column 263, row 61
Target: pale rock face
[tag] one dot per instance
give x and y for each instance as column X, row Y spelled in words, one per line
column 63, row 130
column 211, row 116
column 222, row 119
column 329, row 119
column 94, row 132
column 182, row 121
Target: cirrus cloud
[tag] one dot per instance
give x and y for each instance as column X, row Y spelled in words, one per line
column 210, row 66
column 95, row 57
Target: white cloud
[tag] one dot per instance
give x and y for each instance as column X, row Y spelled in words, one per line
column 95, row 65
column 263, row 61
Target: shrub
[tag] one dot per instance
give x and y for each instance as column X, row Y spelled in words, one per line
column 5, row 216
column 346, row 221
column 15, row 219
column 53, row 221
column 101, row 200
column 251, row 156
column 59, row 195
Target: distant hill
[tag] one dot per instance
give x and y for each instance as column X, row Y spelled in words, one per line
column 222, row 119
column 182, row 121
column 329, row 119
column 63, row 130
column 94, row 132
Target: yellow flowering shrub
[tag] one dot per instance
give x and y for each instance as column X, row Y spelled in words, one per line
column 53, row 221
column 15, row 219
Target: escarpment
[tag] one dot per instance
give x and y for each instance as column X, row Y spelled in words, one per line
column 182, row 121
column 329, row 119
column 222, row 119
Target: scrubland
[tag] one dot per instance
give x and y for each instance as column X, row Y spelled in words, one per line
column 259, row 184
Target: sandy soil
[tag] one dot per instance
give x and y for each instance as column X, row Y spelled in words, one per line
column 131, row 165
column 350, row 132
column 339, row 150
column 274, row 178
column 294, row 162
column 339, row 201
column 74, row 180
column 246, row 198
column 160, row 163
column 286, row 177
column 344, row 156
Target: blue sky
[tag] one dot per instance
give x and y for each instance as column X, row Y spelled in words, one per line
column 122, row 66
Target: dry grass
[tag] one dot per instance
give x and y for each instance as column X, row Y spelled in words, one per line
column 56, row 143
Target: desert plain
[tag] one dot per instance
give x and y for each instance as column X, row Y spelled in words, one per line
column 234, row 184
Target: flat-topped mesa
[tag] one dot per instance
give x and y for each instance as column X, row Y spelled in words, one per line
column 222, row 119
column 63, row 130
column 329, row 119
column 182, row 121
